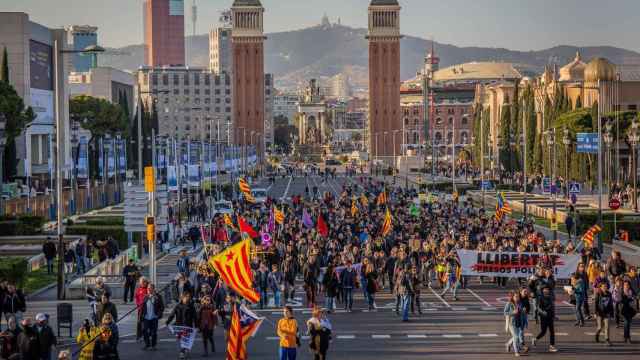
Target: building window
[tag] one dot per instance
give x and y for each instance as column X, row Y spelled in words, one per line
column 438, row 121
column 406, row 112
column 207, row 91
column 416, row 111
column 438, row 110
column 449, row 137
column 438, row 137
column 186, row 79
column 154, row 79
column 464, row 121
column 196, row 79
column 176, row 91
column 207, row 79
column 227, row 100
column 450, row 120
column 416, row 121
column 416, row 138
column 196, row 91
column 217, row 100
column 227, row 109
column 406, row 122
column 176, row 80
column 217, row 92
column 165, row 79
column 451, row 111
column 217, row 82
column 186, row 91
column 464, row 137
column 217, row 109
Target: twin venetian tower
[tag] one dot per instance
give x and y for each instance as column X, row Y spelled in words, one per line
column 385, row 126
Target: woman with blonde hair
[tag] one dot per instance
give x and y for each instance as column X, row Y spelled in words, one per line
column 319, row 335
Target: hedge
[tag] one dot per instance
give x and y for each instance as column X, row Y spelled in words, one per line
column 14, row 270
column 21, row 225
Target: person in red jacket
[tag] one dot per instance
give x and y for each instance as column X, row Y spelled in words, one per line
column 138, row 297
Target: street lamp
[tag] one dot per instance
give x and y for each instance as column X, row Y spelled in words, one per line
column 634, row 139
column 93, row 49
column 566, row 140
column 499, row 146
column 550, row 136
column 608, row 140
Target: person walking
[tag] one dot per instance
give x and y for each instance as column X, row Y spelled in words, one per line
column 106, row 346
column 185, row 315
column 319, row 335
column 371, row 280
column 28, row 343
column 207, row 321
column 106, row 307
column 546, row 313
column 14, row 304
column 262, row 284
column 627, row 309
column 580, row 297
column 405, row 289
column 140, row 293
column 151, row 310
column 511, row 317
column 276, row 284
column 288, row 333
column 603, row 304
column 348, row 279
column 86, row 339
column 330, row 284
column 49, row 251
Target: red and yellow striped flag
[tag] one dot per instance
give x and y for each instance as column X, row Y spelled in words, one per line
column 382, row 198
column 233, row 266
column 244, row 324
column 589, row 235
column 354, row 208
column 244, row 186
column 364, row 201
column 386, row 225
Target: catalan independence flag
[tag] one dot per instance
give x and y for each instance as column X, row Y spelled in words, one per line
column 244, row 324
column 234, row 269
column 279, row 215
column 382, row 197
column 386, row 224
column 502, row 206
column 244, row 186
column 590, row 234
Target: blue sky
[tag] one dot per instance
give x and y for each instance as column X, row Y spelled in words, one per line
column 512, row 24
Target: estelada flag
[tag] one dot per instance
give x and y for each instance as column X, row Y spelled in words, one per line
column 588, row 236
column 386, row 225
column 244, row 186
column 234, row 269
column 228, row 221
column 322, row 226
column 249, row 198
column 244, row 227
column 244, row 324
column 279, row 215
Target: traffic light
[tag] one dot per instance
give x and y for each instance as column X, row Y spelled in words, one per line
column 151, row 232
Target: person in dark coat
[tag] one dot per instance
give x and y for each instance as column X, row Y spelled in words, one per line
column 46, row 337
column 28, row 344
column 14, row 303
column 9, row 340
column 184, row 314
column 207, row 321
column 49, row 251
column 106, row 307
column 106, row 346
column 131, row 272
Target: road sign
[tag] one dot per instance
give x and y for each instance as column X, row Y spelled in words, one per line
column 614, row 204
column 149, row 179
column 587, row 143
column 136, row 202
column 546, row 185
column 574, row 188
column 487, row 185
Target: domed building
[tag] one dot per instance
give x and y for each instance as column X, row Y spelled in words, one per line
column 573, row 71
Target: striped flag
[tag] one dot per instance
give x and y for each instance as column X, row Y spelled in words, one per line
column 364, row 201
column 590, row 234
column 244, row 186
column 244, row 324
column 502, row 206
column 234, row 269
column 386, row 225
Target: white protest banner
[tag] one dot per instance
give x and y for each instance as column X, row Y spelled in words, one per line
column 513, row 264
column 186, row 335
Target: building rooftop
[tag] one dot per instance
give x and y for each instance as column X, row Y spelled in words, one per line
column 384, row 3
column 477, row 71
column 247, row 3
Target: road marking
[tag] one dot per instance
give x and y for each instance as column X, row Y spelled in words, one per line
column 451, row 336
column 562, row 334
column 430, row 309
column 458, row 308
column 417, row 336
column 440, row 297
column 166, row 340
column 272, row 338
column 380, row 336
column 286, row 190
column 478, row 297
column 129, row 341
column 488, row 335
column 488, row 308
column 346, row 337
column 590, row 333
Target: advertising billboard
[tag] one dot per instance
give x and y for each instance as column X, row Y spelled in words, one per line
column 41, row 79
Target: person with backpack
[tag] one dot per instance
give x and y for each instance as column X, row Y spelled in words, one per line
column 546, row 312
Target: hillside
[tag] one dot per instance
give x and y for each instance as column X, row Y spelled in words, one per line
column 295, row 56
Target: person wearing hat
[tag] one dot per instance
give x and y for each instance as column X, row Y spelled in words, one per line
column 46, row 337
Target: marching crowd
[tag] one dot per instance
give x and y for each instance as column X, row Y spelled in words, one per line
column 356, row 254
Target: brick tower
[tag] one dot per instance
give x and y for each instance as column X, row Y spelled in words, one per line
column 384, row 79
column 247, row 41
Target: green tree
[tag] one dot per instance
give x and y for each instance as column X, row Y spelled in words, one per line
column 505, row 131
column 578, row 103
column 17, row 116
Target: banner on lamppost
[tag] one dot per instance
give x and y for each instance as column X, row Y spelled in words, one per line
column 111, row 159
column 172, row 179
column 82, row 168
column 100, row 158
column 122, row 156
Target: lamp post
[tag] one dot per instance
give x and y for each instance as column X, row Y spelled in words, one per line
column 566, row 140
column 550, row 137
column 3, row 142
column 384, row 147
column 93, row 49
column 634, row 139
column 608, row 140
column 395, row 160
column 499, row 145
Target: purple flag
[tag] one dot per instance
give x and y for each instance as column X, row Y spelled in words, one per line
column 271, row 226
column 306, row 219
